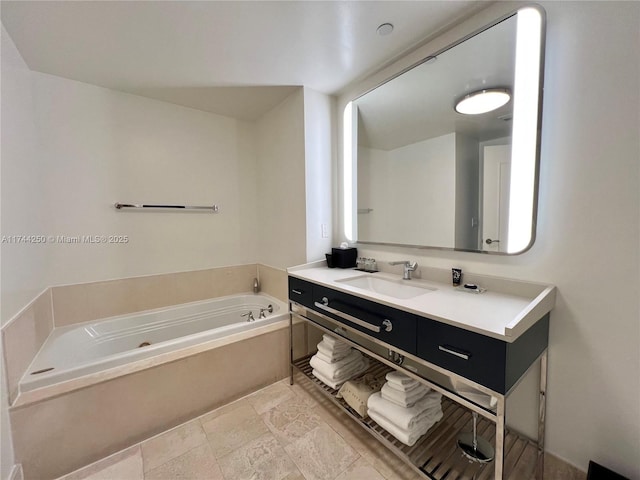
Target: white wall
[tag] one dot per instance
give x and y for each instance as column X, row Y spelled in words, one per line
column 403, row 201
column 319, row 150
column 23, row 268
column 23, row 199
column 281, row 186
column 101, row 146
column 466, row 192
column 588, row 241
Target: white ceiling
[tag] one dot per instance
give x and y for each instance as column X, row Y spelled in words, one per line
column 182, row 51
column 419, row 104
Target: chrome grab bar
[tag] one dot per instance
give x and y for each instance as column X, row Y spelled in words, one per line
column 213, row 208
column 345, row 316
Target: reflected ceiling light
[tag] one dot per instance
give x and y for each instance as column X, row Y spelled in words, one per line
column 483, row 101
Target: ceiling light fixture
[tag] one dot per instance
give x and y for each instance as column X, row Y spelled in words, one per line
column 483, row 101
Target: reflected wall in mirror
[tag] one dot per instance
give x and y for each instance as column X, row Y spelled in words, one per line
column 419, row 173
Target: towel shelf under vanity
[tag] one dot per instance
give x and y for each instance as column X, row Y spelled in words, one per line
column 449, row 359
column 435, row 453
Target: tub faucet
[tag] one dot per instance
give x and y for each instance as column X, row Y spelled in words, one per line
column 256, row 285
column 262, row 310
column 408, row 268
column 249, row 316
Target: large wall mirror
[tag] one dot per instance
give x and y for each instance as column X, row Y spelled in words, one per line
column 445, row 155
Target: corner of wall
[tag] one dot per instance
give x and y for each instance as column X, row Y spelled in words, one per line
column 273, row 281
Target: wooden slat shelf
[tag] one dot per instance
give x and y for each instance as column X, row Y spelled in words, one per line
column 436, row 454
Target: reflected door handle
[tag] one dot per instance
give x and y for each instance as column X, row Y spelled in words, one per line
column 488, row 241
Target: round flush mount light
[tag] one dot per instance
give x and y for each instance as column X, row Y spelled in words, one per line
column 385, row 29
column 483, row 101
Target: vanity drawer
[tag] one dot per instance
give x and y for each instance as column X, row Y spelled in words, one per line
column 494, row 363
column 301, row 291
column 476, row 357
column 392, row 326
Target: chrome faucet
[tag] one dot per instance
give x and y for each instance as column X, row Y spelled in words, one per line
column 249, row 316
column 256, row 285
column 408, row 268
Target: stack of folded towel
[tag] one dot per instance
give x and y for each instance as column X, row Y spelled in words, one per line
column 336, row 362
column 405, row 408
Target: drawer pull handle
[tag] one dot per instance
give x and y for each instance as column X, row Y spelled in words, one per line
column 464, row 356
column 297, row 292
column 345, row 316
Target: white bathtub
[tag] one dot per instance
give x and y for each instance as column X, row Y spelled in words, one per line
column 83, row 349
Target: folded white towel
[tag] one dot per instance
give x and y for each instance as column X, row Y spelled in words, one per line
column 360, row 367
column 326, row 381
column 340, row 369
column 323, row 356
column 406, row 418
column 333, row 342
column 408, row 390
column 404, row 399
column 333, row 369
column 408, row 438
column 401, row 382
column 332, row 355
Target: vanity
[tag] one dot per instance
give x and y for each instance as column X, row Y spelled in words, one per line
column 474, row 347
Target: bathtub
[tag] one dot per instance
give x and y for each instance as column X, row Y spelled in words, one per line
column 89, row 348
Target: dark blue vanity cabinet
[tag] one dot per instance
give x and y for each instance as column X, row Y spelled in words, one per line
column 488, row 361
column 491, row 362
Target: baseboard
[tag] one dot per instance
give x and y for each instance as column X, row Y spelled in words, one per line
column 556, row 467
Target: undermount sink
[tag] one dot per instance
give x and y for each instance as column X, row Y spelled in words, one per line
column 402, row 289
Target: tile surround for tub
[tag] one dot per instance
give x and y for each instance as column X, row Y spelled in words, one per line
column 141, row 404
column 274, row 282
column 91, row 301
column 23, row 336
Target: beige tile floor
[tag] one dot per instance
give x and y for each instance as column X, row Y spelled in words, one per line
column 280, row 432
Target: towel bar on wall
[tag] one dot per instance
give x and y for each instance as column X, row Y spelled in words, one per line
column 212, row 208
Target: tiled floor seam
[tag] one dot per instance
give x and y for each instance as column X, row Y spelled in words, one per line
column 144, row 469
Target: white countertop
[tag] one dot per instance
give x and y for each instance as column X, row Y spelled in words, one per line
column 504, row 311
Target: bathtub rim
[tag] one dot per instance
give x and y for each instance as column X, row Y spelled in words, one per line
column 46, row 392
